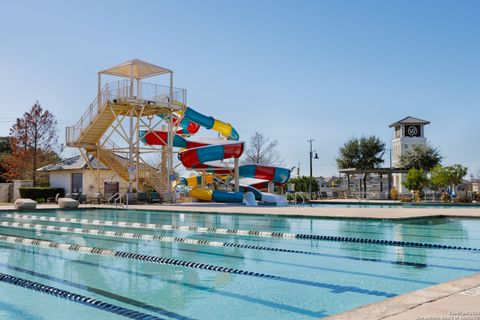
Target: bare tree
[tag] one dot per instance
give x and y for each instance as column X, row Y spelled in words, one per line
column 260, row 150
column 34, row 142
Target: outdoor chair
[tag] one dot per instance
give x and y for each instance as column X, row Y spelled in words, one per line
column 155, row 197
column 142, row 198
column 82, row 198
column 75, row 196
column 53, row 199
column 131, row 198
column 95, row 199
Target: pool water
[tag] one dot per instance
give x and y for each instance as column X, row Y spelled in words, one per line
column 309, row 279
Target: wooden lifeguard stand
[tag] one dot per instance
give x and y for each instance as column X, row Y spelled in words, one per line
column 123, row 112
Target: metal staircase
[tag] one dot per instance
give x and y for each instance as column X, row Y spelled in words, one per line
column 117, row 102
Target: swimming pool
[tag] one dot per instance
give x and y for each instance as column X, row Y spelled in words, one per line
column 262, row 267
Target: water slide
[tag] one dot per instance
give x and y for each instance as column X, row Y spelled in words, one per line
column 207, row 154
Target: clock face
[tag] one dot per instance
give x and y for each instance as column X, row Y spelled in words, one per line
column 413, row 131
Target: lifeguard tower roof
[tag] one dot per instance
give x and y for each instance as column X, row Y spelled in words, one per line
column 136, row 69
column 409, row 120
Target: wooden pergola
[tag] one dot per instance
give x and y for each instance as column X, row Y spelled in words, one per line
column 379, row 171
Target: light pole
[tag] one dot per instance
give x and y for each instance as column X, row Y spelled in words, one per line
column 311, row 159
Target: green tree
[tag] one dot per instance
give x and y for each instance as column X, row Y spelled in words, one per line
column 416, row 180
column 302, row 184
column 456, row 173
column 439, row 178
column 364, row 153
column 442, row 177
column 421, row 157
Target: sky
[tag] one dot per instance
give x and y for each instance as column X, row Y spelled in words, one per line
column 292, row 70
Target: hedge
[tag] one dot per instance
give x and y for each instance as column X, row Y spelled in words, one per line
column 40, row 193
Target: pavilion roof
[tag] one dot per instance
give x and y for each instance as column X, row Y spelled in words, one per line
column 136, row 69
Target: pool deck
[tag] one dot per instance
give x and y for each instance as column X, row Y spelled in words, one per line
column 454, row 300
column 309, row 212
column 303, row 211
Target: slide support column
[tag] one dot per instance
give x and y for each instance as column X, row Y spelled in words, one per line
column 237, row 175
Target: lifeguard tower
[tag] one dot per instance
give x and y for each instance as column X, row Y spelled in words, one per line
column 408, row 133
column 124, row 109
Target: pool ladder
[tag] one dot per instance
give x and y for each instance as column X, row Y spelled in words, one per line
column 117, row 199
column 295, row 198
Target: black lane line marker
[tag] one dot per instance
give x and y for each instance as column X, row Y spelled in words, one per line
column 270, row 225
column 127, row 235
column 267, row 303
column 188, row 264
column 415, row 265
column 239, row 232
column 63, row 294
column 107, row 294
column 412, row 264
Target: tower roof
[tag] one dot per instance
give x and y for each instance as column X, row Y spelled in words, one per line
column 136, row 69
column 409, row 120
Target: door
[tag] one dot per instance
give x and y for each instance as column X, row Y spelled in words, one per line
column 77, row 182
column 111, row 187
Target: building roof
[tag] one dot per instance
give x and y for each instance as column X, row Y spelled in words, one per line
column 409, row 120
column 373, row 170
column 136, row 69
column 73, row 163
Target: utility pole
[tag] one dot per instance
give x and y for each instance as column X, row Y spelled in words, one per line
column 311, row 159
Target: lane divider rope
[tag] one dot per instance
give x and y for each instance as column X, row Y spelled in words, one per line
column 128, row 235
column 74, row 297
column 182, row 263
column 153, row 226
column 239, row 232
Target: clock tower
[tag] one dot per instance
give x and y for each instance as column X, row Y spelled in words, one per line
column 408, row 133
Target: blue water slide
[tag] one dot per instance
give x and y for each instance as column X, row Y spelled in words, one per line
column 205, row 121
column 225, row 196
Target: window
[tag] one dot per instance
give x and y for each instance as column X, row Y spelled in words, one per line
column 398, row 132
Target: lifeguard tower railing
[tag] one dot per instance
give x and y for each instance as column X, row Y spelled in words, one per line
column 153, row 97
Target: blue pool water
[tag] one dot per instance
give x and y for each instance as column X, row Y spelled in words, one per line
column 326, row 278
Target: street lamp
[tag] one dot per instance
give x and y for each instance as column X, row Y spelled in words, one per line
column 311, row 158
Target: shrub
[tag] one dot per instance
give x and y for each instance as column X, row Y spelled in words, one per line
column 476, row 196
column 417, row 196
column 394, row 193
column 40, row 193
column 405, row 198
column 462, row 199
column 445, row 197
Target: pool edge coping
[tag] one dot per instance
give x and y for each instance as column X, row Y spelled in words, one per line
column 409, row 301
column 315, row 215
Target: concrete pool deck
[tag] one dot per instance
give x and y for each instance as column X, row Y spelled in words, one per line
column 454, row 300
column 302, row 211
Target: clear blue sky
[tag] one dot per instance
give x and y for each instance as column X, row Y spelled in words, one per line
column 293, row 70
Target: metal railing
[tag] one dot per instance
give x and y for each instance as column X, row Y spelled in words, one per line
column 114, row 197
column 294, row 195
column 123, row 89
